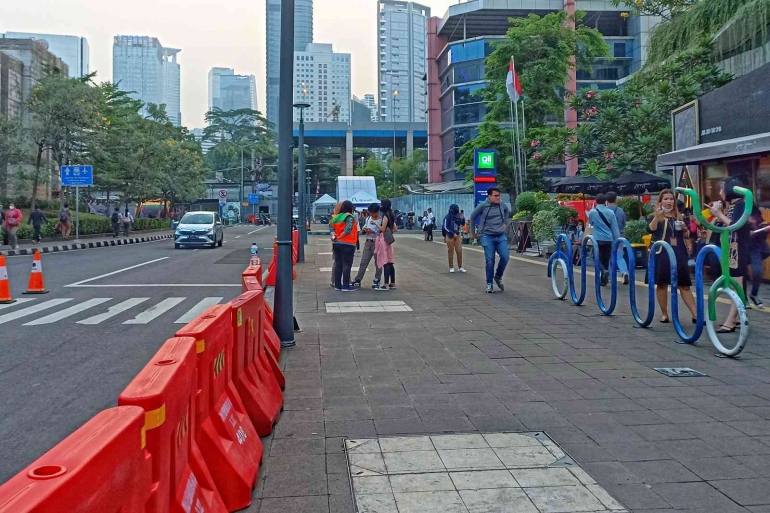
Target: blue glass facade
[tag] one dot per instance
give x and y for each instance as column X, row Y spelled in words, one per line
column 461, row 73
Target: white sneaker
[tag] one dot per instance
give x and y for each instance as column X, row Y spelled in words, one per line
column 462, row 270
column 451, row 269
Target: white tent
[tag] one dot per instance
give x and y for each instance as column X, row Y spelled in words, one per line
column 326, row 203
column 363, row 199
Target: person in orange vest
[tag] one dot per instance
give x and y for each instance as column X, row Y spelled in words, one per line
column 344, row 240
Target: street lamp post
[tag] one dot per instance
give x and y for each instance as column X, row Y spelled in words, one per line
column 283, row 320
column 393, row 159
column 301, row 209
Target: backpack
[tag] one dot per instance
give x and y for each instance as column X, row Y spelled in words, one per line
column 63, row 217
column 115, row 217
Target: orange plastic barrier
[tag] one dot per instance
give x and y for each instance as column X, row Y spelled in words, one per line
column 255, row 383
column 272, row 268
column 100, row 468
column 253, row 270
column 272, row 345
column 166, row 389
column 294, row 247
column 227, row 439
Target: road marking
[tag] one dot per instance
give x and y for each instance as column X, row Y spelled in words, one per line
column 115, row 272
column 155, row 311
column 198, row 309
column 255, row 231
column 33, row 309
column 63, row 314
column 130, row 285
column 114, row 310
column 330, row 253
column 237, row 236
column 195, row 250
column 18, row 302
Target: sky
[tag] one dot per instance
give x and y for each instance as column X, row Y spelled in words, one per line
column 228, row 33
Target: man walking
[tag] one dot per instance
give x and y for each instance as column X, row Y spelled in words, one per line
column 605, row 226
column 620, row 215
column 370, row 230
column 454, row 242
column 494, row 217
column 116, row 217
column 12, row 223
column 36, row 219
column 432, row 218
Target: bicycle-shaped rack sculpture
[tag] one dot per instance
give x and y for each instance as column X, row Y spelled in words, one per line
column 725, row 284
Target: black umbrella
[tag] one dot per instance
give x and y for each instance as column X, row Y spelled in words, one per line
column 638, row 182
column 580, row 184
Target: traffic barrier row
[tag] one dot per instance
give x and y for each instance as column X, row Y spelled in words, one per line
column 272, row 268
column 185, row 434
column 36, row 283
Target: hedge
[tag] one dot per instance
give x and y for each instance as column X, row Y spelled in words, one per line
column 92, row 226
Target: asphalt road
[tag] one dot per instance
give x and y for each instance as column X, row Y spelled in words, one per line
column 69, row 353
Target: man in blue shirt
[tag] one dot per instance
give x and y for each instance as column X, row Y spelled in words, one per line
column 606, row 231
column 620, row 215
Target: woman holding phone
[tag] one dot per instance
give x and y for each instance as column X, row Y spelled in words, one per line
column 667, row 224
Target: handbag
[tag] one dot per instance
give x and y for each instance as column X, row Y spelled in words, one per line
column 388, row 236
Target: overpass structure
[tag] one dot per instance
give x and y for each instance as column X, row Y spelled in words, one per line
column 401, row 137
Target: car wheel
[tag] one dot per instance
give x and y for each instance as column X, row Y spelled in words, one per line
column 177, row 246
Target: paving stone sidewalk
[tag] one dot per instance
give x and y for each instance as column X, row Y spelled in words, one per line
column 465, row 362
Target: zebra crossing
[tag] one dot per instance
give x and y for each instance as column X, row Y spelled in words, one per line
column 95, row 311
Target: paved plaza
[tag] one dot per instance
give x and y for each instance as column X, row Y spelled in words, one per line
column 439, row 397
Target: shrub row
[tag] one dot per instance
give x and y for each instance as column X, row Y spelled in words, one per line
column 92, row 226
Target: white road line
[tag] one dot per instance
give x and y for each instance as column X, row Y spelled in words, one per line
column 198, row 309
column 329, row 253
column 258, row 229
column 67, row 312
column 131, row 285
column 33, row 309
column 114, row 310
column 155, row 311
column 18, row 302
column 115, row 272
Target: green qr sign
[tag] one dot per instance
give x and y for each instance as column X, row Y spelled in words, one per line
column 486, row 160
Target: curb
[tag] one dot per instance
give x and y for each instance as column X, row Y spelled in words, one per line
column 85, row 245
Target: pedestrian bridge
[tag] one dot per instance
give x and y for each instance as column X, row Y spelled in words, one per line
column 405, row 137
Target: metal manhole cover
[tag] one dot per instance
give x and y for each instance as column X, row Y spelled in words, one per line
column 678, row 372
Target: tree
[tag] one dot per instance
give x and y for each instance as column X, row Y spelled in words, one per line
column 238, row 130
column 626, row 130
column 545, row 50
column 12, row 147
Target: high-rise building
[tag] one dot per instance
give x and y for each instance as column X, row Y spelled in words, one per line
column 229, row 91
column 401, row 62
column 143, row 67
column 371, row 102
column 303, row 35
column 73, row 50
column 322, row 79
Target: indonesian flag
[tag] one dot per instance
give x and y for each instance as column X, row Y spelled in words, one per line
column 512, row 84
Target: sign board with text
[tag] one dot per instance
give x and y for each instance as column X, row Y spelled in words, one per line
column 222, row 196
column 77, row 176
column 484, row 174
column 253, row 199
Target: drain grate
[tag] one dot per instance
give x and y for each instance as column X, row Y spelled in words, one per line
column 678, row 372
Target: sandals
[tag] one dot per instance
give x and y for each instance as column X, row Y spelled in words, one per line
column 664, row 320
column 725, row 329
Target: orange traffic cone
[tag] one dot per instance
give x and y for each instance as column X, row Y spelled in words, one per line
column 36, row 276
column 5, row 288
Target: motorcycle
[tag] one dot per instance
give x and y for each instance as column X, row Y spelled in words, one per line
column 410, row 221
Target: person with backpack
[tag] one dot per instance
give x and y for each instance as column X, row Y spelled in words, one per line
column 344, row 238
column 36, row 219
column 370, row 230
column 127, row 221
column 494, row 217
column 12, row 223
column 65, row 221
column 450, row 229
column 116, row 220
column 606, row 231
column 620, row 216
column 2, row 226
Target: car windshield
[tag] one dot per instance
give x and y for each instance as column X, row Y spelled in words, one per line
column 197, row 219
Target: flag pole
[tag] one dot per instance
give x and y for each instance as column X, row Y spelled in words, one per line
column 513, row 150
column 524, row 128
column 517, row 148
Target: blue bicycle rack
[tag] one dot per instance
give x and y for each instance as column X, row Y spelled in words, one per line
column 563, row 257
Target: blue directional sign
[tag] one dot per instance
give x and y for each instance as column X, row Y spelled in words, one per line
column 253, row 199
column 77, row 176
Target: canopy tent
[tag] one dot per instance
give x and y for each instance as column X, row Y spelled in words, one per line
column 363, row 199
column 326, row 203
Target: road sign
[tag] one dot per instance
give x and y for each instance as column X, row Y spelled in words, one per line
column 77, row 176
column 222, row 196
column 253, row 199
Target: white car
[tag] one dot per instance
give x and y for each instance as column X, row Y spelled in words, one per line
column 199, row 229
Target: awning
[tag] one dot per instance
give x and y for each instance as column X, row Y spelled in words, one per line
column 738, row 147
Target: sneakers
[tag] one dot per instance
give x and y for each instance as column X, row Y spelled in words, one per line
column 757, row 302
column 500, row 285
column 356, row 283
column 462, row 270
column 490, row 290
column 375, row 284
column 626, row 279
column 604, row 278
column 381, row 287
column 451, row 270
column 349, row 288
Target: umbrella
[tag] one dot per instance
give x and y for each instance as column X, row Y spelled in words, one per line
column 580, row 184
column 638, row 182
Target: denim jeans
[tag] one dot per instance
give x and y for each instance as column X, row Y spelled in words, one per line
column 755, row 258
column 622, row 265
column 495, row 244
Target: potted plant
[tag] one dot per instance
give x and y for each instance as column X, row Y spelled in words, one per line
column 544, row 225
column 634, row 231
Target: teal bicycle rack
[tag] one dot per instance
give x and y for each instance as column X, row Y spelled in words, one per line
column 722, row 286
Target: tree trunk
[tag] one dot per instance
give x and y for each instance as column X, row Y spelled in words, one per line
column 36, row 177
